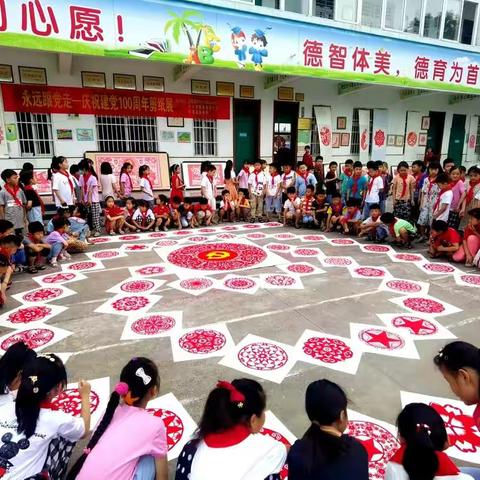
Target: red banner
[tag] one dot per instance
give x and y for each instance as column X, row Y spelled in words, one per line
column 93, row 101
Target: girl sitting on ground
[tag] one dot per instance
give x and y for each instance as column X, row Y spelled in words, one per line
column 128, row 211
column 114, row 218
column 143, row 218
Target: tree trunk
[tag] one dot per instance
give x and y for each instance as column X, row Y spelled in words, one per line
column 187, row 32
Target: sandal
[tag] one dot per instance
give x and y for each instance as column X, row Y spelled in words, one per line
column 40, row 267
column 32, row 270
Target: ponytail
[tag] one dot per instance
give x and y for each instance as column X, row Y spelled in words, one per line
column 124, row 167
column 12, row 364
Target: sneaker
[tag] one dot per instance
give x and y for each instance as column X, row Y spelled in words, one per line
column 96, row 233
column 67, row 255
column 53, row 263
column 164, row 228
column 253, row 220
column 156, row 229
column 469, row 264
column 40, row 267
column 61, row 257
column 121, row 232
column 111, row 233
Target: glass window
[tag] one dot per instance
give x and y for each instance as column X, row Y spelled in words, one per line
column 372, row 13
column 413, row 13
column 346, row 10
column 452, row 19
column 468, row 21
column 433, row 18
column 394, row 14
column 297, row 6
column 268, row 3
column 324, row 9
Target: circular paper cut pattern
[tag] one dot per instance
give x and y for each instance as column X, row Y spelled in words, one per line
column 152, row 270
column 181, row 232
column 29, row 314
column 252, row 226
column 42, row 294
column 381, row 339
column 337, row 261
column 284, row 236
column 342, row 241
column 82, row 266
column 415, row 325
column 408, row 257
column 325, row 135
column 379, row 443
column 278, row 247
column 229, row 228
column 314, row 238
column 300, row 268
column 226, row 236
column 256, row 236
column 173, row 425
column 136, row 248
column 438, row 268
column 263, row 356
column 327, row 350
column 412, row 139
column 198, row 238
column 135, row 286
column 424, row 305
column 153, row 325
column 129, row 237
column 369, row 272
column 98, row 240
column 363, row 139
column 217, row 256
column 166, row 243
column 306, row 252
column 379, row 138
column 207, row 230
column 58, row 277
column 404, row 286
column 157, row 235
column 106, row 254
column 70, row 402
column 196, row 283
column 239, row 283
column 202, row 341
column 279, row 438
column 128, row 304
column 471, row 279
column 280, row 280
column 34, row 338
column 376, row 248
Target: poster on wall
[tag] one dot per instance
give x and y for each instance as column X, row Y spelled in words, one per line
column 158, row 162
column 323, row 117
column 364, row 132
column 472, row 139
column 192, row 176
column 380, row 128
column 44, row 186
column 411, row 149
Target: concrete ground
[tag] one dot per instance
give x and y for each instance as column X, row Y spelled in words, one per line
column 328, row 303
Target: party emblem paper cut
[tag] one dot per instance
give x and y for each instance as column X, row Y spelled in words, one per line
column 463, row 435
column 152, row 325
column 425, row 304
column 369, row 273
column 330, row 351
column 201, row 342
column 109, row 254
column 29, row 315
column 194, row 286
column 151, row 270
column 137, row 285
column 85, row 266
column 302, row 269
column 404, row 286
column 338, row 261
column 238, row 284
column 43, row 295
column 128, row 304
column 36, row 337
column 59, row 278
column 272, row 281
column 178, row 423
column 262, row 358
column 467, row 280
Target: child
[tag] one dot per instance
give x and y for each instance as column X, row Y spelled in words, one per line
column 356, row 183
column 423, row 439
column 144, row 455
column 243, row 207
column 320, row 207
column 458, row 189
column 292, row 208
column 231, row 182
column 162, row 213
column 187, row 216
column 128, row 211
column 352, row 218
column 400, row 230
column 11, row 365
column 34, row 203
column 308, row 211
column 36, row 248
column 9, row 246
column 289, row 178
column 335, row 212
column 471, row 240
column 32, row 422
column 243, row 179
column 58, row 241
column 319, row 171
column 372, row 227
column 448, row 164
column 78, row 225
column 307, row 158
column 126, row 183
column 114, row 219
column 403, row 192
column 203, row 213
column 227, row 443
column 227, row 208
column 176, row 182
column 419, row 175
column 143, row 218
column 387, row 182
column 374, row 188
column 75, row 178
column 273, row 197
column 304, row 178
column 256, row 187
column 107, row 181
column 444, row 240
column 209, row 187
column 146, row 185
column 441, row 207
column 325, row 451
column 471, row 197
column 13, row 201
column 428, row 199
column 91, row 197
column 63, row 183
column 345, row 177
column 463, row 172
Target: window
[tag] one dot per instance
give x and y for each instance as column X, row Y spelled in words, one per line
column 324, row 9
column 346, row 10
column 268, row 3
column 468, row 22
column 452, row 19
column 413, row 14
column 205, row 137
column 433, row 18
column 35, row 134
column 127, row 134
column 372, row 13
column 394, row 14
column 297, row 6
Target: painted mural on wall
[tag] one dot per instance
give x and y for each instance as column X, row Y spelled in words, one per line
column 191, row 33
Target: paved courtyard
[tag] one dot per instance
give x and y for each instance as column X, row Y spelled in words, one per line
column 325, row 302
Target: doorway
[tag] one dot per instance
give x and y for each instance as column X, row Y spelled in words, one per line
column 285, row 126
column 435, row 133
column 457, row 138
column 246, row 131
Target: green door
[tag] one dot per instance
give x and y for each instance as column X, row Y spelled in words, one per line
column 246, row 131
column 457, row 139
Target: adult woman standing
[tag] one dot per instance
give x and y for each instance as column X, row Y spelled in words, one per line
column 176, row 183
column 107, row 181
column 231, row 181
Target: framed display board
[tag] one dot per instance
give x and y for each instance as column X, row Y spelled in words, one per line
column 192, row 177
column 44, row 186
column 159, row 164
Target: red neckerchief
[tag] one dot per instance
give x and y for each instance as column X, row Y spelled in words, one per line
column 114, row 211
column 14, row 192
column 355, row 183
column 352, row 215
column 49, row 405
column 404, row 184
column 256, row 173
column 210, row 179
column 246, row 170
column 40, row 201
column 273, row 178
column 439, row 198
column 65, row 174
column 391, row 228
column 418, row 178
column 336, row 209
column 130, row 211
column 144, row 215
column 284, row 176
column 445, row 466
column 371, row 182
column 375, row 218
column 431, row 183
column 476, row 415
column 148, row 180
column 229, row 438
column 348, row 173
column 471, row 190
column 305, row 178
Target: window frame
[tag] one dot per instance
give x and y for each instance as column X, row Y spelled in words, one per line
column 204, row 144
column 33, row 124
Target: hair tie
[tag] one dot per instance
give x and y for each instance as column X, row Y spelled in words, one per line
column 425, row 427
column 122, row 388
column 87, row 451
column 235, row 395
column 129, row 400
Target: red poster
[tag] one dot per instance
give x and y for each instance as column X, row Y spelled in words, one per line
column 92, row 101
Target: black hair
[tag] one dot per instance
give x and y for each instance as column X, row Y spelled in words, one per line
column 443, row 178
column 142, row 203
column 439, row 226
column 419, row 163
column 372, row 166
column 247, row 162
column 203, row 201
column 320, row 190
column 163, row 198
column 379, row 163
column 26, row 176
column 56, row 162
column 227, row 172
column 311, row 187
column 211, row 168
column 125, row 166
column 336, row 195
column 142, row 170
column 291, row 190
column 187, row 200
column 357, row 164
column 262, row 38
column 176, row 199
column 221, row 414
column 134, row 374
column 275, row 165
column 353, row 202
column 86, row 164
column 59, row 222
column 34, row 227
column 319, row 157
column 27, row 166
column 473, row 169
column 455, row 167
column 331, row 164
column 462, row 169
column 435, row 166
column 475, row 213
column 423, row 431
column 61, row 211
column 306, row 146
column 11, row 240
column 7, row 173
column 12, row 363
column 387, row 218
column 349, row 162
column 106, row 168
column 448, row 160
column 204, row 166
column 224, row 192
column 131, row 199
column 39, row 377
column 5, row 225
column 375, row 206
column 74, row 169
column 402, row 164
column 105, row 199
column 324, row 402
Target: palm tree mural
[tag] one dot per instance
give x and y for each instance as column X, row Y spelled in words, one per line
column 183, row 23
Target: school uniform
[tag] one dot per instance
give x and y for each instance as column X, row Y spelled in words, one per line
column 273, row 197
column 13, row 202
column 64, row 183
column 209, row 188
column 256, row 183
column 307, row 209
column 36, row 211
column 444, row 198
column 242, row 178
column 288, row 180
column 143, row 218
column 403, row 187
column 89, row 185
column 302, row 182
column 374, row 187
column 356, row 186
column 147, row 190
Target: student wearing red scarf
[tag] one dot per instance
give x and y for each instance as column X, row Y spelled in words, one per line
column 273, row 197
column 63, row 184
column 256, row 185
column 403, row 192
column 471, row 240
column 458, row 189
column 444, row 240
column 12, row 201
column 35, row 206
column 471, row 197
column 242, row 178
column 357, row 183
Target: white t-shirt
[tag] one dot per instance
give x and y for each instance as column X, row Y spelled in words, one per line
column 395, row 471
column 231, row 206
column 61, row 183
column 33, row 451
column 257, row 457
column 107, row 182
column 257, row 182
column 209, row 188
column 446, row 198
column 291, row 207
column 273, row 185
column 147, row 192
column 373, row 196
column 288, row 180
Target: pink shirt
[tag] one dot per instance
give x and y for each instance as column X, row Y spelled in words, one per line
column 457, row 190
column 127, row 189
column 55, row 237
column 132, row 433
column 91, row 186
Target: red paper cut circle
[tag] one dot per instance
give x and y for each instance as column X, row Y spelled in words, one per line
column 376, row 248
column 157, row 235
column 408, row 257
column 381, row 339
column 412, row 139
column 314, row 238
column 34, row 338
column 70, row 402
column 239, row 283
column 98, row 240
column 29, row 314
column 328, row 350
column 127, row 304
column 306, row 252
column 173, row 425
column 135, row 286
column 415, row 325
column 226, row 236
column 325, row 136
column 124, row 238
column 424, row 305
column 342, row 241
column 106, row 254
column 263, row 356
column 196, row 283
column 82, row 266
column 379, row 138
column 300, row 268
column 58, row 277
column 166, row 243
column 284, row 236
column 438, row 268
column 202, row 341
column 151, row 270
column 404, row 286
column 471, row 279
column 280, row 280
column 337, row 261
column 198, row 238
column 369, row 272
column 207, row 230
column 256, row 236
column 153, row 325
column 136, row 248
column 278, row 247
column 42, row 294
column 229, row 228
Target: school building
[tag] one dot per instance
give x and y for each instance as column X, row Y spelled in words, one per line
column 180, row 82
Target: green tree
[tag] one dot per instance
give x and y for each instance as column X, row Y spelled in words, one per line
column 183, row 22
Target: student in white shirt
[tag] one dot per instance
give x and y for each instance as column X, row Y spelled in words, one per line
column 209, row 188
column 441, row 207
column 107, row 181
column 31, row 422
column 63, row 183
column 256, row 189
column 242, row 178
column 228, row 444
column 146, row 185
column 292, row 208
column 273, row 197
column 374, row 188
